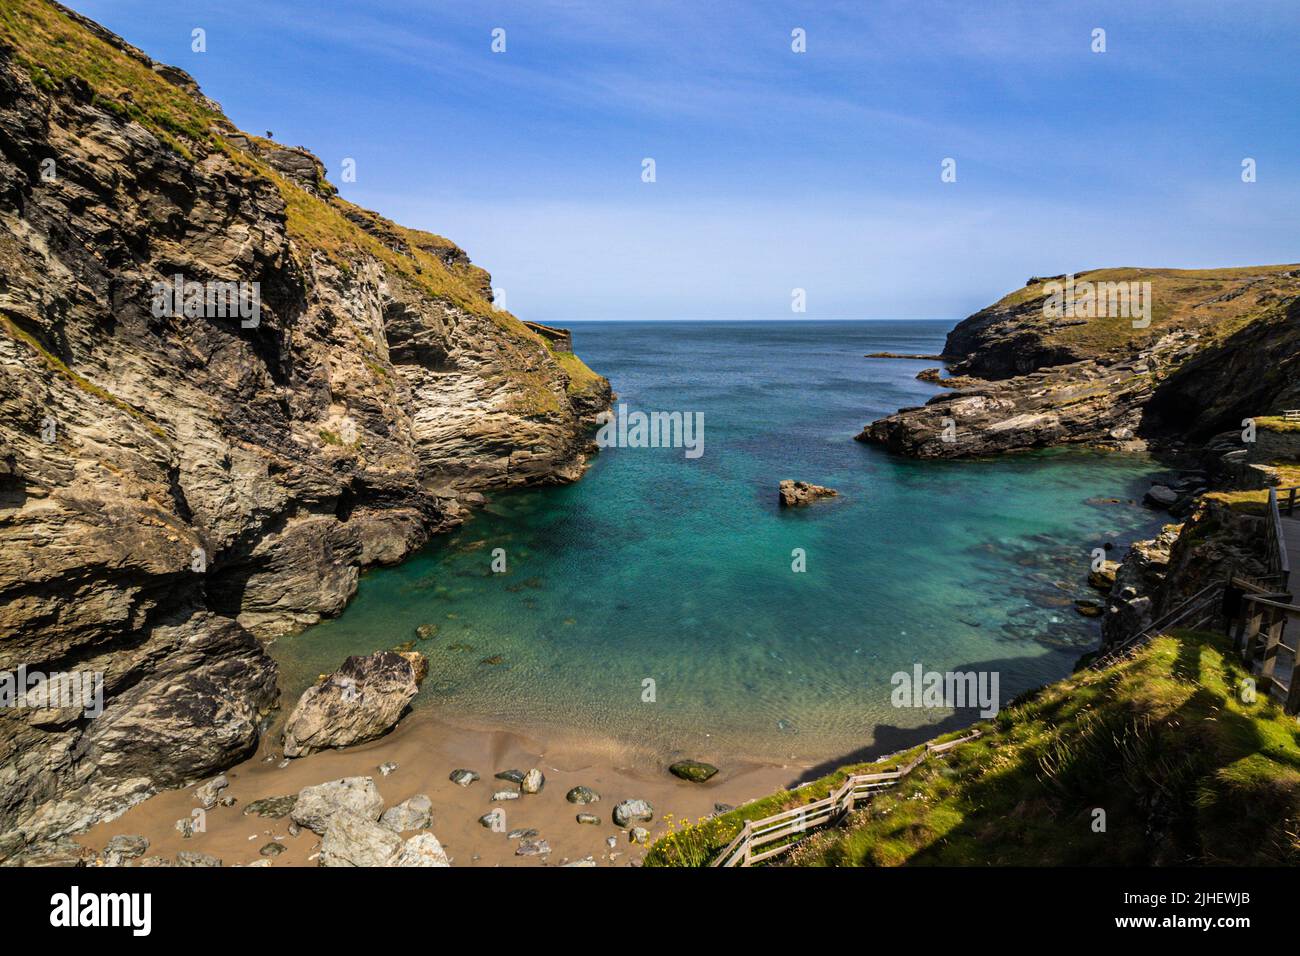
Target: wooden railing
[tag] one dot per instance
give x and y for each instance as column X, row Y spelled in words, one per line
column 1259, row 639
column 1275, row 537
column 763, row 839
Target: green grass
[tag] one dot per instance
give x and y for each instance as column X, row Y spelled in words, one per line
column 1181, row 298
column 55, row 49
column 1276, row 423
column 1184, row 769
column 581, row 379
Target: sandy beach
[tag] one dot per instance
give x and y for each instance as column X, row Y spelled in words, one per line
column 426, row 751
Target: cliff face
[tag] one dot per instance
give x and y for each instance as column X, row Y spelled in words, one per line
column 1219, row 343
column 176, row 487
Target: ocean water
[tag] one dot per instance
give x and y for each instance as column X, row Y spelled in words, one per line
column 657, row 567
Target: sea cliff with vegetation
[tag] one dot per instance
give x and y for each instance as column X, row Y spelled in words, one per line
column 176, row 490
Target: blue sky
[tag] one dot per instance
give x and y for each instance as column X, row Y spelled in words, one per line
column 776, row 170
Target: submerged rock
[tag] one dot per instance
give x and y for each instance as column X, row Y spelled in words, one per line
column 797, row 493
column 362, row 700
column 533, row 781
column 695, row 771
column 589, row 818
column 494, row 820
column 582, row 796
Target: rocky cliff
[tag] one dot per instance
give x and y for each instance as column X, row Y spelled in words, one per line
column 177, row 484
column 1209, row 347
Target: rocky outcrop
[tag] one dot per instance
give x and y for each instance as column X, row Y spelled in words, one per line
column 360, row 701
column 1218, row 344
column 795, row 494
column 177, row 485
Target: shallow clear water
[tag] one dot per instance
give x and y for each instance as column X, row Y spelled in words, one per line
column 657, row 566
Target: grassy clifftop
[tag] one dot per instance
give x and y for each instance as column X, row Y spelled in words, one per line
column 1163, row 744
column 1017, row 334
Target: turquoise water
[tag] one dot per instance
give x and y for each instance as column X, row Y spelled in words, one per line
column 659, row 567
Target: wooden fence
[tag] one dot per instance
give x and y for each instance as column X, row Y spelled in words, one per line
column 763, row 839
column 1260, row 632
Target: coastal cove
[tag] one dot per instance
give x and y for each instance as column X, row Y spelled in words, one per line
column 657, row 567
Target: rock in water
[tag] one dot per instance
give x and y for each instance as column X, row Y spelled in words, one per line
column 590, row 818
column 495, row 821
column 533, row 781
column 582, row 795
column 1160, row 496
column 633, row 811
column 316, row 805
column 797, row 493
column 514, row 776
column 695, row 771
column 423, row 849
column 413, row 814
column 127, row 847
column 353, row 839
column 360, row 701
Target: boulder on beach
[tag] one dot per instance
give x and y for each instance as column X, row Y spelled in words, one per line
column 355, row 839
column 316, row 805
column 423, row 849
column 413, row 814
column 208, row 793
column 633, row 811
column 696, row 771
column 360, row 701
column 798, row 493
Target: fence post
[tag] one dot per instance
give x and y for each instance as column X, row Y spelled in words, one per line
column 1252, row 631
column 749, row 825
column 1272, row 638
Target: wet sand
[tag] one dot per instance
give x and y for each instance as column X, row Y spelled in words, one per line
column 426, row 751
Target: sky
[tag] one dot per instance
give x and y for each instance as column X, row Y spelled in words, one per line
column 775, row 170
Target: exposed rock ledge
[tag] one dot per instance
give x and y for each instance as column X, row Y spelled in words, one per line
column 175, row 488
